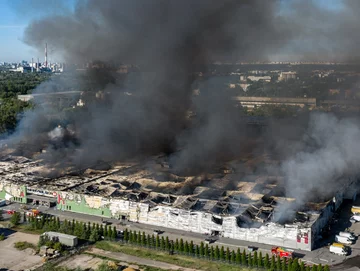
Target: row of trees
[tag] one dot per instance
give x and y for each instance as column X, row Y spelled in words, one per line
column 85, row 231
column 216, row 253
column 95, row 232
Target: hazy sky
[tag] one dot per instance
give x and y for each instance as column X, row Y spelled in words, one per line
column 16, row 14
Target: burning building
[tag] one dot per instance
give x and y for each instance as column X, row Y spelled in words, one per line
column 223, row 203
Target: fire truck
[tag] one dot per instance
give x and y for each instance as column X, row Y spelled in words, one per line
column 282, row 252
column 33, row 212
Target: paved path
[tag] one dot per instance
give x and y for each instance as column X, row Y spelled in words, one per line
column 133, row 259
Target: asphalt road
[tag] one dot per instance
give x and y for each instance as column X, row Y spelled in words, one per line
column 320, row 255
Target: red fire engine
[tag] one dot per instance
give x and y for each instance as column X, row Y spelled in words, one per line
column 282, row 252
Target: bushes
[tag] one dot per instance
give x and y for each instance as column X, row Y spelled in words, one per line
column 15, row 218
column 24, row 245
column 2, row 237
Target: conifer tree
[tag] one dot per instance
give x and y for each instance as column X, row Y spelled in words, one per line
column 197, row 250
column 206, row 251
column 232, row 256
column 181, row 245
column 255, row 259
column 283, row 265
column 106, row 234
column 101, row 230
column 148, row 240
column 238, row 256
column 176, row 246
column 222, row 253
column 278, row 263
column 319, row 267
column 243, row 258
column 114, row 233
column 162, row 243
column 289, row 264
column 314, row 267
column 326, row 268
column 217, row 253
column 186, row 247
column 260, row 260
column 167, row 243
column 126, row 234
column 273, row 263
column 211, row 253
column 192, row 248
column 227, row 255
column 138, row 238
column 143, row 239
column 157, row 242
column 109, row 235
column 201, row 249
column 249, row 260
column 302, row 267
column 295, row 265
column 267, row 261
column 308, row 268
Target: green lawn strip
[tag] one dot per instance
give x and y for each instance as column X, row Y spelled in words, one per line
column 144, row 267
column 180, row 260
column 26, row 229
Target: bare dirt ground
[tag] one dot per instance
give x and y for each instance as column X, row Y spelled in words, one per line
column 13, row 259
column 83, row 261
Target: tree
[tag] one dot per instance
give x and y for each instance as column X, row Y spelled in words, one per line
column 326, row 268
column 15, row 218
column 167, row 243
column 109, row 235
column 186, row 247
column 58, row 246
column 181, row 245
column 319, row 267
column 148, row 241
column 260, row 260
column 227, row 255
column 302, row 267
column 243, row 258
column 201, row 249
column 157, row 243
column 232, row 257
column 217, row 253
column 238, row 256
column 283, row 265
column 267, row 261
column 114, row 234
column 206, row 252
column 314, row 268
column 177, row 245
column 126, row 234
column 222, row 253
column 162, row 243
column 94, row 235
column 106, row 234
column 273, row 263
column 278, row 263
column 255, row 259
column 249, row 260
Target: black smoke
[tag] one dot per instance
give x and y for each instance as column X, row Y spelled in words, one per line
column 166, row 40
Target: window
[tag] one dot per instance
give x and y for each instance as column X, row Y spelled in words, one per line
column 102, row 212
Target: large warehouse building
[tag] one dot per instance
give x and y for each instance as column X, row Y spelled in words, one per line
column 224, row 203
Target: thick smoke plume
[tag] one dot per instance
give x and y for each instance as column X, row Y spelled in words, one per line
column 166, row 40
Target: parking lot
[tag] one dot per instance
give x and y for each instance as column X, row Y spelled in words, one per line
column 13, row 259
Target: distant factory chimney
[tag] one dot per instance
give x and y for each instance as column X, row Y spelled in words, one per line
column 46, row 64
column 37, row 65
column 32, row 64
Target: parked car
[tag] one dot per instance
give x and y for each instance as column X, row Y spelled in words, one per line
column 209, row 240
column 355, row 218
column 157, row 232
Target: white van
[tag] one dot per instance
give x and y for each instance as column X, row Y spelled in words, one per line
column 338, row 249
column 349, row 235
column 343, row 240
column 355, row 218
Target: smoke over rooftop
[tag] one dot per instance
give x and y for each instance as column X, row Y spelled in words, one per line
column 167, row 39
